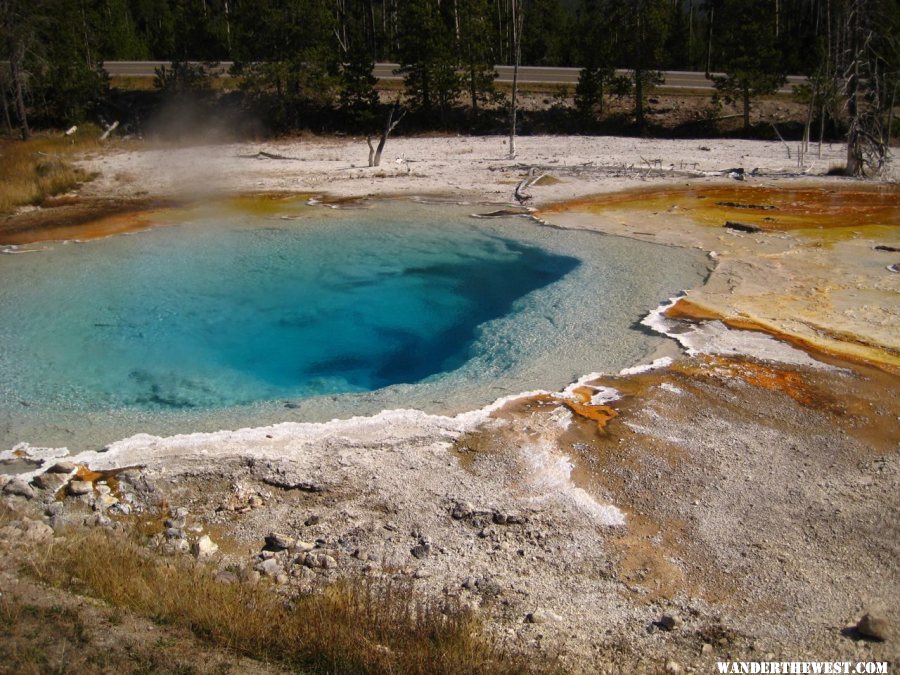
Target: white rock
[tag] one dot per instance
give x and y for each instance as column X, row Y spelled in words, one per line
column 77, row 488
column 19, row 488
column 268, row 567
column 543, row 616
column 204, row 547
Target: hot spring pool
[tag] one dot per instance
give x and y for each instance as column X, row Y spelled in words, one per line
column 232, row 319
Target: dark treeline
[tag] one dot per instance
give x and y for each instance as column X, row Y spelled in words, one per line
column 296, row 57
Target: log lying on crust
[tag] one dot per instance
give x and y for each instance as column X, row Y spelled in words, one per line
column 502, row 213
column 742, row 227
column 266, row 155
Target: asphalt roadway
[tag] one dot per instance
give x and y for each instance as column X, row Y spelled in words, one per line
column 674, row 79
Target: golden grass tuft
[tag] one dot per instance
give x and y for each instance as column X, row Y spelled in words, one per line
column 358, row 626
column 31, row 171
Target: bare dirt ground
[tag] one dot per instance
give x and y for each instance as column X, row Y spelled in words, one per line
column 746, row 489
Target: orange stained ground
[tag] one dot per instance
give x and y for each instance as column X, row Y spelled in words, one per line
column 686, row 310
column 85, row 220
column 775, row 209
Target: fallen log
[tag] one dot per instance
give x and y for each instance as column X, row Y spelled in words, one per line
column 756, row 207
column 742, row 227
column 267, row 155
column 502, row 213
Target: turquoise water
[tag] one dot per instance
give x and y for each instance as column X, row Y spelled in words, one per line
column 231, row 320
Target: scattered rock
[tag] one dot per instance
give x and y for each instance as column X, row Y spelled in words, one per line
column 488, row 587
column 174, row 533
column 99, row 520
column 177, row 546
column 305, row 547
column 48, row 481
column 204, row 547
column 76, row 488
column 706, row 649
column 420, row 551
column 19, row 487
column 673, row 667
column 318, row 560
column 120, row 509
column 461, row 510
column 469, row 583
column 542, row 616
column 312, row 520
column 873, row 626
column 507, row 519
column 268, row 567
column 63, row 467
column 54, row 508
column 106, row 501
column 669, row 622
column 275, row 541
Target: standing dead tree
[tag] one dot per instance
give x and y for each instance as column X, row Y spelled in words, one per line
column 870, row 75
column 517, row 56
column 389, row 125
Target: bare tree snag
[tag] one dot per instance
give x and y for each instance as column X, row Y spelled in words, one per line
column 5, row 102
column 15, row 69
column 111, row 128
column 519, row 193
column 389, row 125
column 517, row 56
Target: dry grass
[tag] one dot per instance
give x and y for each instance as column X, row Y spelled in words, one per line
column 349, row 627
column 33, row 170
column 42, row 637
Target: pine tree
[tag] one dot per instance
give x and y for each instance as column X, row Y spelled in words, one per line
column 476, row 53
column 358, row 98
column 427, row 59
column 749, row 52
column 288, row 57
column 595, row 55
column 645, row 25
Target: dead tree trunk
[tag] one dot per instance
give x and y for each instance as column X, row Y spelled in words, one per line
column 517, row 55
column 15, row 69
column 854, row 154
column 746, row 97
column 4, row 99
column 389, row 125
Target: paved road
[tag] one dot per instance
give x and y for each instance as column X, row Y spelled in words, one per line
column 527, row 74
